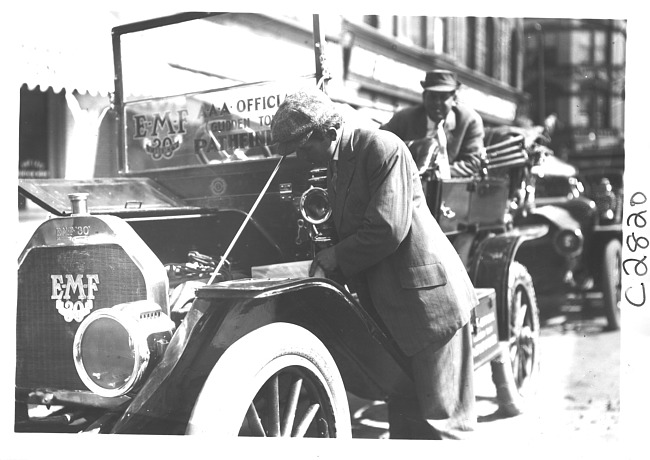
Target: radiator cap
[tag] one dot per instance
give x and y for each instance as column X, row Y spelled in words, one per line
column 79, row 202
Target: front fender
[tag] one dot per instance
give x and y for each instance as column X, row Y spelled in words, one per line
column 558, row 216
column 370, row 363
column 568, row 213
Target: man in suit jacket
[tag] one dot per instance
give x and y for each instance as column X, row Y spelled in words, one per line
column 396, row 256
column 463, row 127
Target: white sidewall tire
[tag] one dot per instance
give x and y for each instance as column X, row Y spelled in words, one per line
column 252, row 360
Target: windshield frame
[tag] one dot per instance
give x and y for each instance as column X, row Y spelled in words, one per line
column 122, row 102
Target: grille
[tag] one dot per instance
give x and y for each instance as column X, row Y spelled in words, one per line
column 44, row 338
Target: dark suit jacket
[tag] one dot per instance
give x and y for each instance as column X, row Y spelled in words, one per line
column 464, row 140
column 390, row 242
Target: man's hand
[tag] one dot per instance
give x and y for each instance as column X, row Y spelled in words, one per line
column 326, row 259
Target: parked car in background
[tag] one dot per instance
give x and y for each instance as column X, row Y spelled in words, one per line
column 581, row 253
column 605, row 187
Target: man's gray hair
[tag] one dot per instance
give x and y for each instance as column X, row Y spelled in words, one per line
column 301, row 114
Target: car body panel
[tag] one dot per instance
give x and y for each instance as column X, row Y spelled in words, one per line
column 370, row 364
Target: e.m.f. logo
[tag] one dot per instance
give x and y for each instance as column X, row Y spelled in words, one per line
column 160, row 133
column 74, row 295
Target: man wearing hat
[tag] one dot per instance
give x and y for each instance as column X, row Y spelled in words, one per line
column 395, row 256
column 458, row 129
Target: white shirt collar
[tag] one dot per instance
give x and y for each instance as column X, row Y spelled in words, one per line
column 335, row 155
column 450, row 123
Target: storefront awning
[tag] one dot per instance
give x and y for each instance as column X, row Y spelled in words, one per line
column 50, row 68
column 69, row 49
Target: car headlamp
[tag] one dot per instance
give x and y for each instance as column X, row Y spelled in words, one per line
column 114, row 347
column 315, row 205
column 568, row 242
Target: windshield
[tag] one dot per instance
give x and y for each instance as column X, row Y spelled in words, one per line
column 204, row 92
column 558, row 186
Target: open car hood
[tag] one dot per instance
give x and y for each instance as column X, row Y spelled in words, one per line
column 121, row 196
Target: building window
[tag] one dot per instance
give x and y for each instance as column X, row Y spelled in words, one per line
column 600, row 47
column 490, row 47
column 581, row 47
column 438, row 34
column 515, row 46
column 417, row 30
column 480, row 46
column 548, row 42
column 618, row 48
column 601, row 113
column 411, row 30
column 471, row 42
column 372, row 20
column 387, row 24
column 593, row 110
column 446, row 35
column 590, row 47
column 600, row 110
column 506, row 49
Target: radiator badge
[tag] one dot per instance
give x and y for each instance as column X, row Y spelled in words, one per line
column 74, row 295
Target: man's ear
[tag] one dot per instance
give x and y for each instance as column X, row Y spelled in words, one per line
column 332, row 133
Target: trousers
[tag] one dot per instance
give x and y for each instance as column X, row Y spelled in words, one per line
column 443, row 406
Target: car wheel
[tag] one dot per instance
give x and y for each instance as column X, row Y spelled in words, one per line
column 524, row 328
column 278, row 380
column 611, row 283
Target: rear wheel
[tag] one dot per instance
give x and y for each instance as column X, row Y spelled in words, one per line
column 611, row 283
column 524, row 328
column 278, row 380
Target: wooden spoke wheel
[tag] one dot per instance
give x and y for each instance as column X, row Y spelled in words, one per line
column 293, row 404
column 278, row 380
column 524, row 327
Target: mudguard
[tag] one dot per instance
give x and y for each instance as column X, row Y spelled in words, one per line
column 558, row 216
column 491, row 264
column 370, row 363
column 567, row 213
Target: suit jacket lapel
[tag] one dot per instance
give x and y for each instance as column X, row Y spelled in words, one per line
column 450, row 126
column 420, row 125
column 346, row 166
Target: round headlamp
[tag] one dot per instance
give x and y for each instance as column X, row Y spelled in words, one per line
column 113, row 347
column 315, row 205
column 568, row 242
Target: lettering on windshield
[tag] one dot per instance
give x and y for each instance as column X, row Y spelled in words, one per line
column 233, row 124
column 241, row 126
column 151, row 128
